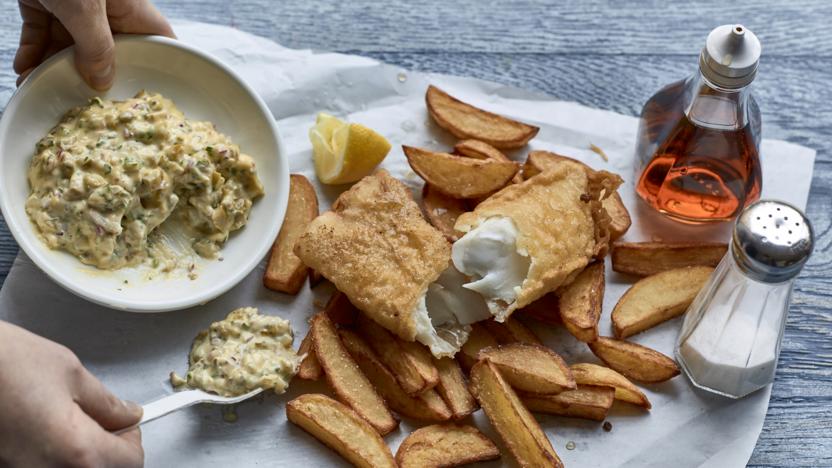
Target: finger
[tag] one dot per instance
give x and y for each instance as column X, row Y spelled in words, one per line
column 92, row 445
column 124, row 450
column 100, row 404
column 138, row 17
column 23, row 75
column 87, row 23
column 34, row 38
column 59, row 39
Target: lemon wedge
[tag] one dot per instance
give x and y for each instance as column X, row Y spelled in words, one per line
column 345, row 152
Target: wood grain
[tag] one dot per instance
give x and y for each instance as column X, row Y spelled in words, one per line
column 607, row 54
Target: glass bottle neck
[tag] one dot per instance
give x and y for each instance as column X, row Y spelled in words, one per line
column 708, row 105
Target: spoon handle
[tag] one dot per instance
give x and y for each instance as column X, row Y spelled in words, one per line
column 166, row 405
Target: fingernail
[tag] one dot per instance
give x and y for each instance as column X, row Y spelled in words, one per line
column 132, row 407
column 102, row 79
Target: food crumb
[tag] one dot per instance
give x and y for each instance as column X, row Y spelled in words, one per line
column 607, row 426
column 176, row 381
column 599, row 152
column 570, row 445
column 229, row 414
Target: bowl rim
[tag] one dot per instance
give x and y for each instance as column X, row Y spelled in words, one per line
column 36, row 253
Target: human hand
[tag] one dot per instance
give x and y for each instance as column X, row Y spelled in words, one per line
column 53, row 25
column 54, row 412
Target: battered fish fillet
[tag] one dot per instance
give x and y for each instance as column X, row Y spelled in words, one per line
column 530, row 238
column 376, row 248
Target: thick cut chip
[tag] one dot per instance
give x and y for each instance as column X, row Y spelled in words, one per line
column 460, row 177
column 453, row 389
column 341, row 429
column 560, row 224
column 481, row 150
column 442, row 211
column 581, row 302
column 285, row 272
column 340, row 310
column 657, row 298
column 466, row 121
column 413, row 374
column 517, row 427
column 649, row 258
column 531, row 368
column 539, row 161
column 511, row 331
column 546, row 309
column 310, row 368
column 635, row 361
column 376, row 248
column 593, row 374
column 479, row 338
column 586, row 402
column 345, row 377
column 427, row 406
column 445, row 445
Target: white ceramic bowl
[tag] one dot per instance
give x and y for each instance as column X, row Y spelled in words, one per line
column 204, row 89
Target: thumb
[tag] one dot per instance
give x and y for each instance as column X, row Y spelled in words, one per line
column 101, row 405
column 89, row 27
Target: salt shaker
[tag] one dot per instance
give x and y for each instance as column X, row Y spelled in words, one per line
column 730, row 339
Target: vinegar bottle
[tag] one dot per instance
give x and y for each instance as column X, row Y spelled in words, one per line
column 699, row 139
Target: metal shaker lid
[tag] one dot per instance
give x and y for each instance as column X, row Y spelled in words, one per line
column 772, row 241
column 730, row 56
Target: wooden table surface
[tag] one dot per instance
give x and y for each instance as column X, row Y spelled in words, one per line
column 608, row 54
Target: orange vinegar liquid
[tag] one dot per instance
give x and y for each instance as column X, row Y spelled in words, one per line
column 692, row 173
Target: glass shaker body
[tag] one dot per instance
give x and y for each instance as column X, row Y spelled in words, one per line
column 730, row 340
column 698, row 151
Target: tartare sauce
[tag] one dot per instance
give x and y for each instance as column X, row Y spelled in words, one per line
column 111, row 172
column 241, row 353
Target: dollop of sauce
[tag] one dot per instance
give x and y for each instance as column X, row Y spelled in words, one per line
column 243, row 352
column 111, row 172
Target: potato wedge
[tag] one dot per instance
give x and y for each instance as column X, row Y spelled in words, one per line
column 657, row 298
column 345, row 377
column 482, row 150
column 593, row 374
column 428, row 406
column 421, row 358
column 442, row 211
column 634, row 361
column 310, row 368
column 517, row 427
column 340, row 310
column 453, row 389
column 466, row 121
column 620, row 220
column 585, row 402
column 444, row 445
column 581, row 302
column 314, row 278
column 460, row 177
column 479, row 338
column 511, row 331
column 391, row 351
column 285, row 272
column 546, row 310
column 341, row 429
column 649, row 258
column 539, row 161
column 530, row 368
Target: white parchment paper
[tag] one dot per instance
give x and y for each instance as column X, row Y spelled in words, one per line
column 133, row 353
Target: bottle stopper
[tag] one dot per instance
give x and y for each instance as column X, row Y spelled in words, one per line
column 730, row 56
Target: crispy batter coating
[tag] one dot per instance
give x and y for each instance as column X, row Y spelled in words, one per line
column 560, row 222
column 376, row 248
